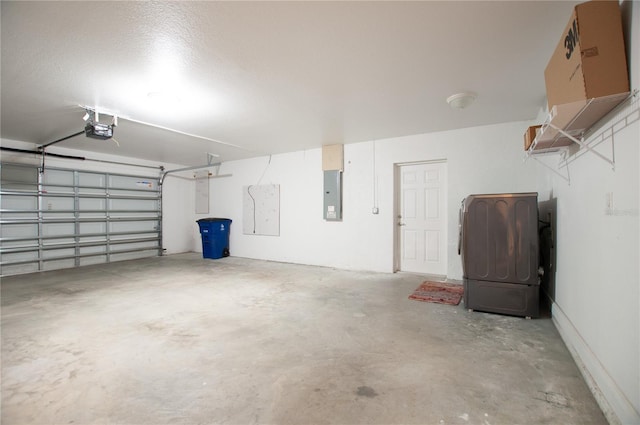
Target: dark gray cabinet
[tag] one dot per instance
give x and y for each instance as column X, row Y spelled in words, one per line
column 499, row 251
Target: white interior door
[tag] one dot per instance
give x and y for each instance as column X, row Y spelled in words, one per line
column 422, row 218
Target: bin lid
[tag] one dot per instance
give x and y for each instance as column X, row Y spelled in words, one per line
column 211, row 219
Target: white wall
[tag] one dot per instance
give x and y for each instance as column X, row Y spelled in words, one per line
column 480, row 160
column 597, row 295
column 178, row 193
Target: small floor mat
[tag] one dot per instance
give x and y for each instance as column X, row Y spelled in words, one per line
column 438, row 292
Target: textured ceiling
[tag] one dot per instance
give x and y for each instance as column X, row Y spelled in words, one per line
column 255, row 78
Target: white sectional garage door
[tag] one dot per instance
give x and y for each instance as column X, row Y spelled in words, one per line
column 67, row 218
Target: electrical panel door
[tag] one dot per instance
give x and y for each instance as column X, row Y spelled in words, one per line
column 332, row 195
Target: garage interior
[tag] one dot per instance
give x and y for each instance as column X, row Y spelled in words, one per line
column 123, row 125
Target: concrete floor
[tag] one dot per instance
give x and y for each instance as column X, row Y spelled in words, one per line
column 180, row 339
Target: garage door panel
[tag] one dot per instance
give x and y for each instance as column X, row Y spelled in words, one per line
column 92, row 204
column 98, row 259
column 12, row 269
column 132, row 182
column 57, row 229
column 58, row 203
column 93, row 228
column 92, row 217
column 133, row 226
column 31, row 255
column 53, row 242
column 19, row 231
column 92, row 179
column 58, row 264
column 100, row 249
column 54, row 178
column 77, row 218
column 134, row 245
column 57, row 253
column 132, row 255
column 18, row 202
column 133, row 204
column 93, row 239
column 12, row 245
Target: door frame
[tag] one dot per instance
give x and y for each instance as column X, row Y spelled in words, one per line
column 397, row 186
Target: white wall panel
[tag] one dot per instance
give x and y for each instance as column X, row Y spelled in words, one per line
column 480, row 160
column 596, row 298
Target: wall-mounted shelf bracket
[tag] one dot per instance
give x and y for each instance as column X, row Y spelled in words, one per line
column 562, row 164
column 583, row 145
column 212, row 159
column 573, row 125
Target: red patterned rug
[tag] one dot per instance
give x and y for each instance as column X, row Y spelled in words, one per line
column 438, row 292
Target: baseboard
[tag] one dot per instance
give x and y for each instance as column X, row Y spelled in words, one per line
column 616, row 407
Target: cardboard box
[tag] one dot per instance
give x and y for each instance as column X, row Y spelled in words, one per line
column 529, row 135
column 332, row 157
column 590, row 59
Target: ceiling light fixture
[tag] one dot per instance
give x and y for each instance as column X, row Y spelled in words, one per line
column 461, row 100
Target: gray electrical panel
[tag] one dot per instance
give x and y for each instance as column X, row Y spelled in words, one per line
column 332, row 195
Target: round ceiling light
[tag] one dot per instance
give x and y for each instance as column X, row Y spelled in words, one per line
column 461, row 100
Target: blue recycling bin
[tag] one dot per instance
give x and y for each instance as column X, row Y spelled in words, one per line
column 215, row 237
